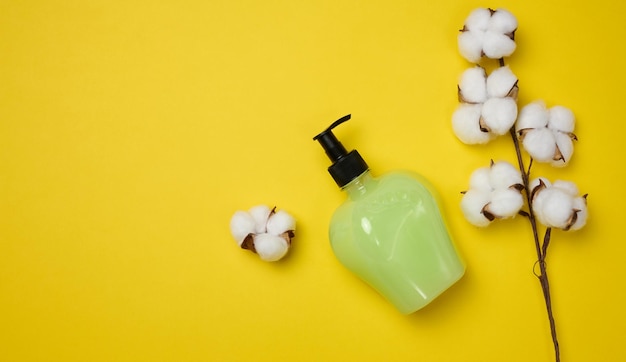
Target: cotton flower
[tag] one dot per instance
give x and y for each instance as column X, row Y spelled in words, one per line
column 494, row 193
column 488, row 105
column 547, row 134
column 489, row 33
column 558, row 204
column 264, row 231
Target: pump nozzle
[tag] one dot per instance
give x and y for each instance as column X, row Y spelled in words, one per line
column 334, row 149
column 346, row 165
column 336, row 123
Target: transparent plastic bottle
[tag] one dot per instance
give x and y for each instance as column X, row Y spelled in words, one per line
column 390, row 231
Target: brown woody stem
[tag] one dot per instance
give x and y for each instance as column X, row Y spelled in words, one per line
column 541, row 248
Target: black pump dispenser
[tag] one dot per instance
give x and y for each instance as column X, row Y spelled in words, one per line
column 346, row 165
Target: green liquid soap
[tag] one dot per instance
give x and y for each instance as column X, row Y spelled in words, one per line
column 390, row 231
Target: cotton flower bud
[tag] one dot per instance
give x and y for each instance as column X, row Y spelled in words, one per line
column 547, row 134
column 264, row 231
column 558, row 205
column 488, row 105
column 495, row 193
column 489, row 33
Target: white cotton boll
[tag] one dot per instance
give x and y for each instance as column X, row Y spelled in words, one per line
column 503, row 175
column 581, row 217
column 241, row 225
column 280, row 222
column 496, row 46
column 465, row 124
column 558, row 205
column 533, row 115
column 270, row 247
column 500, row 82
column 561, row 119
column 472, row 204
column 506, row 202
column 471, row 45
column 499, row 114
column 502, row 21
column 479, row 179
column 540, row 144
column 473, row 85
column 478, row 19
column 566, row 186
column 566, row 147
column 553, row 207
column 260, row 214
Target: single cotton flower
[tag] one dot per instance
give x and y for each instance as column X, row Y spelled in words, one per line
column 547, row 134
column 558, row 204
column 264, row 231
column 494, row 193
column 489, row 33
column 488, row 104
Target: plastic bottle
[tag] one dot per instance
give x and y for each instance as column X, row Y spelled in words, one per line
column 390, row 231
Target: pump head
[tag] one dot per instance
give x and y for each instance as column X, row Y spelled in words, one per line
column 346, row 165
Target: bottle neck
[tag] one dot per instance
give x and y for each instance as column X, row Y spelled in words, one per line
column 360, row 185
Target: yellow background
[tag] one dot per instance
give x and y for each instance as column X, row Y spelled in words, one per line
column 131, row 131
